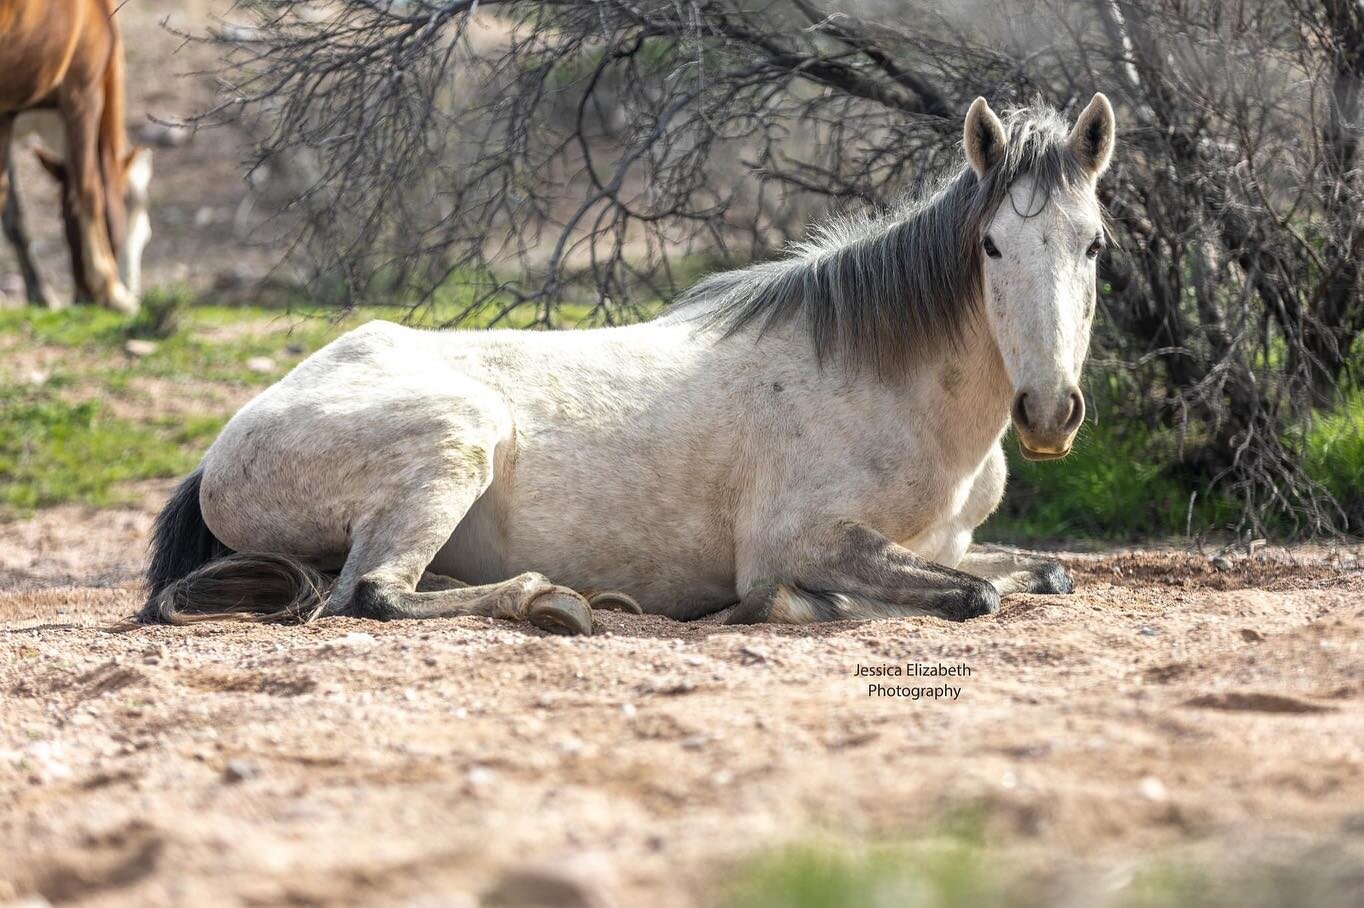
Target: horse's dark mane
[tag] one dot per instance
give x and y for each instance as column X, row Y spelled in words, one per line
column 873, row 291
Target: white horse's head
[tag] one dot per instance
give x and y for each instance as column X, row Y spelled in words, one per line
column 1040, row 245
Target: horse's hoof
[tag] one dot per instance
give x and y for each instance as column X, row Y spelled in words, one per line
column 559, row 610
column 121, row 301
column 1052, row 578
column 614, row 601
column 754, row 608
column 973, row 601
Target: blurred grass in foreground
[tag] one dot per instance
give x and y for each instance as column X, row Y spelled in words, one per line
column 949, row 872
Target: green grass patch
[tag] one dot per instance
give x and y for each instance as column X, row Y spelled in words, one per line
column 54, row 450
column 72, row 436
column 1114, row 485
column 1333, row 455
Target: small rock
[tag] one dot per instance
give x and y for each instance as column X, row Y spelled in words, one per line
column 668, row 687
column 138, row 347
column 1250, row 635
column 260, row 364
column 1152, row 789
column 232, row 278
column 295, row 349
column 356, row 639
column 1148, row 631
column 204, row 215
column 49, row 763
column 28, row 901
column 576, row 882
column 752, row 655
column 167, row 135
column 1220, row 562
column 239, row 771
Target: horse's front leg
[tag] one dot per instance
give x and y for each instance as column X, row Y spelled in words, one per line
column 1015, row 572
column 853, row 572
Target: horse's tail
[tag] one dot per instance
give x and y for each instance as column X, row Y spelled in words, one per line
column 192, row 576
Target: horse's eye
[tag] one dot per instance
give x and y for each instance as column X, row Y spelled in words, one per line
column 1095, row 247
column 990, row 248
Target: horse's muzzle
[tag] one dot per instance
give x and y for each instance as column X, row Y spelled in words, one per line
column 1046, row 422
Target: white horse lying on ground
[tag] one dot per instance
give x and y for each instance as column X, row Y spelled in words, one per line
column 809, row 439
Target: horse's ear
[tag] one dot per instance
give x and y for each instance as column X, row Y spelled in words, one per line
column 1091, row 141
column 983, row 137
column 52, row 163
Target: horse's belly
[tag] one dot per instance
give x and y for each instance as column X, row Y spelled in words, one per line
column 669, row 551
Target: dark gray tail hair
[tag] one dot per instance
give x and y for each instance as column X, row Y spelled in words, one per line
column 192, row 576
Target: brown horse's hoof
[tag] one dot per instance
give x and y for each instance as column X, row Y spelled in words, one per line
column 559, row 610
column 614, row 601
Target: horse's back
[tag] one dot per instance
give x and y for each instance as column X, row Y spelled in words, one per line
column 44, row 41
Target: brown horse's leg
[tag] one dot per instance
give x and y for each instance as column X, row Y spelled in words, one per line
column 16, row 231
column 81, row 113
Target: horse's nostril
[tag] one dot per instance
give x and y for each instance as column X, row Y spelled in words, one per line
column 1077, row 412
column 1020, row 413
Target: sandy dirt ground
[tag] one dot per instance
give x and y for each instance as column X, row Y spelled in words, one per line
column 1164, row 705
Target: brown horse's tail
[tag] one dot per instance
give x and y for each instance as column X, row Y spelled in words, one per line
column 192, row 576
column 112, row 139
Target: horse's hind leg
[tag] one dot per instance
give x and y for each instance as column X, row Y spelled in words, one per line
column 383, row 574
column 526, row 597
column 16, row 231
column 607, row 600
column 436, row 583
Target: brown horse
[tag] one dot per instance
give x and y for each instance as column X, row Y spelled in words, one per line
column 67, row 56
